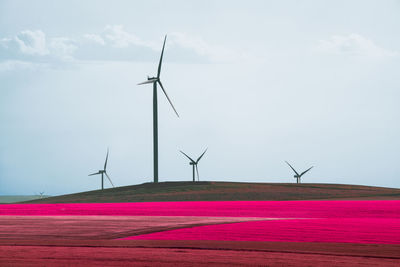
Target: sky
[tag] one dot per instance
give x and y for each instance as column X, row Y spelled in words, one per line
column 315, row 83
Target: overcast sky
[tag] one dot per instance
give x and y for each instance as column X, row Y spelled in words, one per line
column 315, row 83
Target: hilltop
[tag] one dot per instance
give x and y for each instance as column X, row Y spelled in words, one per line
column 220, row 191
column 19, row 198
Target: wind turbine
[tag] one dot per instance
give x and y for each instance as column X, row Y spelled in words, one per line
column 297, row 175
column 194, row 163
column 103, row 172
column 154, row 81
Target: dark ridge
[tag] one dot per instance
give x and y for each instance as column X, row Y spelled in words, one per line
column 224, row 191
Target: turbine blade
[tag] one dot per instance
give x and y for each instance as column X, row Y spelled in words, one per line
column 201, row 155
column 94, row 173
column 291, row 167
column 187, row 156
column 198, row 176
column 162, row 54
column 169, row 100
column 148, row 81
column 306, row 171
column 105, row 163
column 109, row 179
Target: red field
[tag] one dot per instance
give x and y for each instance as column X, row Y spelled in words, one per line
column 290, row 233
column 375, row 231
column 265, row 209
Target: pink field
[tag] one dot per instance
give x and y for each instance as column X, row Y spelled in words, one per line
column 377, row 231
column 270, row 209
column 302, row 221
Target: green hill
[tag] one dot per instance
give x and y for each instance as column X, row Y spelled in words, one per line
column 219, row 191
column 16, row 198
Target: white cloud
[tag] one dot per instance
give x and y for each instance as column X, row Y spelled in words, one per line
column 356, row 45
column 118, row 37
column 95, row 38
column 33, row 46
column 113, row 43
column 5, row 42
column 32, row 42
column 62, row 48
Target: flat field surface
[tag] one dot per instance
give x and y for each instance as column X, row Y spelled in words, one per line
column 274, row 233
column 263, row 209
column 99, row 227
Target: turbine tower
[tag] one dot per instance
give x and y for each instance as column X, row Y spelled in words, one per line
column 103, row 172
column 194, row 164
column 297, row 175
column 154, row 81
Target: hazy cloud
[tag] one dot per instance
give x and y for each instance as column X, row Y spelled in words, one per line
column 117, row 36
column 356, row 45
column 95, row 38
column 113, row 43
column 32, row 42
column 33, row 46
column 63, row 48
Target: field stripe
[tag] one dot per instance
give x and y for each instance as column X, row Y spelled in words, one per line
column 99, row 227
column 374, row 231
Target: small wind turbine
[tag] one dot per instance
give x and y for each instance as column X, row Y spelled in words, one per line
column 103, row 172
column 194, row 163
column 40, row 195
column 297, row 175
column 154, row 81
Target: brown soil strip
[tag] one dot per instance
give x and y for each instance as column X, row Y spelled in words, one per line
column 99, row 227
column 339, row 249
column 293, row 255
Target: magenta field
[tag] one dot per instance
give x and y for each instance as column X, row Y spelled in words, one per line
column 378, row 231
column 267, row 209
column 295, row 221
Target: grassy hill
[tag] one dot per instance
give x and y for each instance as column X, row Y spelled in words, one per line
column 16, row 198
column 213, row 191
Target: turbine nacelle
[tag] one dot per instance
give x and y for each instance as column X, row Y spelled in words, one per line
column 150, row 80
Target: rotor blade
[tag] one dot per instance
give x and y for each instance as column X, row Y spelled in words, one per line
column 105, row 163
column 291, row 167
column 169, row 100
column 187, row 156
column 197, row 170
column 109, row 179
column 201, row 155
column 148, row 81
column 306, row 171
column 162, row 54
column 94, row 173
